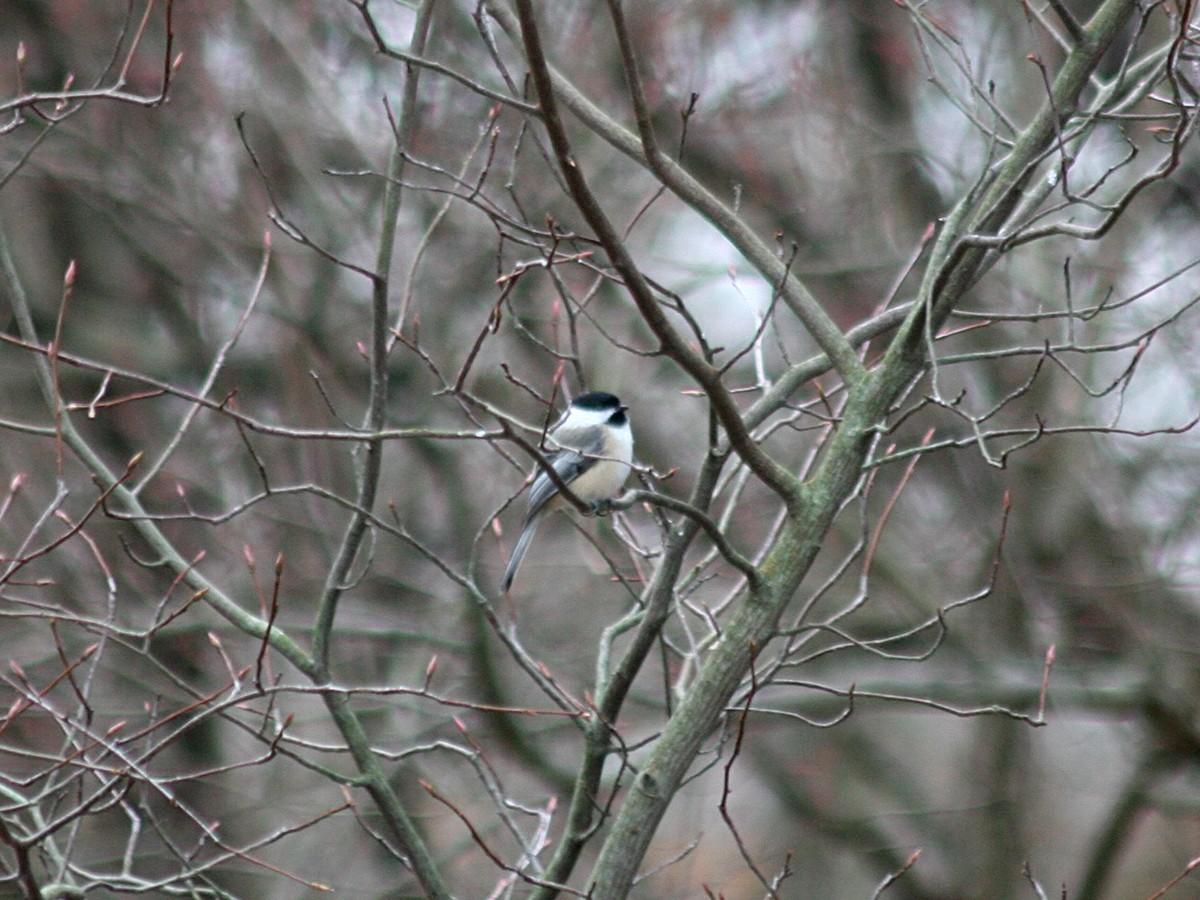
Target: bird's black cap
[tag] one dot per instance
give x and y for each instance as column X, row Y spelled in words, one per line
column 597, row 400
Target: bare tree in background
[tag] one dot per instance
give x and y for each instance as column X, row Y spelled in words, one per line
column 901, row 599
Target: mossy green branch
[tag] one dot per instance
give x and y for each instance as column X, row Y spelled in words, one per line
column 955, row 265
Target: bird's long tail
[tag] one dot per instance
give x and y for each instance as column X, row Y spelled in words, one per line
column 514, row 561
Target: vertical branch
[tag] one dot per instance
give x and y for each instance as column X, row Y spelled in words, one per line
column 375, row 780
column 376, row 415
column 612, row 691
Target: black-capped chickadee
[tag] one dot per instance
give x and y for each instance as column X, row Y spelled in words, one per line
column 592, row 452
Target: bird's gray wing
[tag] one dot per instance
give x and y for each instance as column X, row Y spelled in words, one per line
column 569, row 465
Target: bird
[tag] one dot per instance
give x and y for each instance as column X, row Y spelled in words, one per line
column 592, row 455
